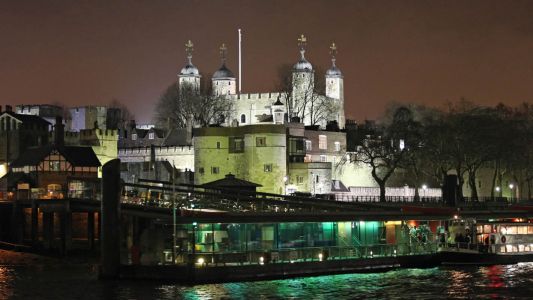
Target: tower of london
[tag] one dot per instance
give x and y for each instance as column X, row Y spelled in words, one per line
column 300, row 101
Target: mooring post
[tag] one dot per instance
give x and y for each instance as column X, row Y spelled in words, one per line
column 48, row 229
column 110, row 218
column 17, row 222
column 90, row 229
column 34, row 222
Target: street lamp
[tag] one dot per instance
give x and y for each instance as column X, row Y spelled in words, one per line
column 285, row 181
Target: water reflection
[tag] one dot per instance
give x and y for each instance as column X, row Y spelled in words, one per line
column 64, row 282
column 6, row 278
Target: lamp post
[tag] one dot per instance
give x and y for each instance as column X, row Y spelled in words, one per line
column 285, row 181
column 173, row 214
column 511, row 187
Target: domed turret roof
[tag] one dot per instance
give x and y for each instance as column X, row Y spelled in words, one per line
column 189, row 69
column 303, row 65
column 333, row 71
column 223, row 72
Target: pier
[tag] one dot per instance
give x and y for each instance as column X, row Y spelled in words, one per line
column 189, row 233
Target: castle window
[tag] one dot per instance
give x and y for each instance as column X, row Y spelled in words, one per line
column 236, row 145
column 322, row 142
column 308, row 145
column 215, row 170
column 260, row 141
column 323, row 158
column 201, row 170
column 337, row 146
column 151, row 135
column 134, row 137
column 268, row 168
column 243, row 118
column 218, row 145
column 299, row 179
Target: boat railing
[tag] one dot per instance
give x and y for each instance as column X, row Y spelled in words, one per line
column 306, row 254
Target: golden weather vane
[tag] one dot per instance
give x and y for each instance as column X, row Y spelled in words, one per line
column 333, row 49
column 302, row 41
column 189, row 48
column 223, row 51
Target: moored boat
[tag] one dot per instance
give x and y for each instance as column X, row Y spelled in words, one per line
column 487, row 243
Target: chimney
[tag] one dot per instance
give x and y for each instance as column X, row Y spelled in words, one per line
column 59, row 132
column 9, row 108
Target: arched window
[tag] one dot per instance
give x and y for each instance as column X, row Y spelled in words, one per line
column 243, row 118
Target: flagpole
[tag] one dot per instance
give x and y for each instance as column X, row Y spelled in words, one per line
column 240, row 61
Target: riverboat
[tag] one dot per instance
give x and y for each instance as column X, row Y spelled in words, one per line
column 486, row 243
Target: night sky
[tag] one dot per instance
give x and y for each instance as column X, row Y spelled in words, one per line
column 431, row 52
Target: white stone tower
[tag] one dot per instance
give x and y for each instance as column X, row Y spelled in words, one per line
column 223, row 79
column 189, row 75
column 335, row 86
column 303, row 84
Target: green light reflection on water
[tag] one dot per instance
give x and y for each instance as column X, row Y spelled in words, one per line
column 344, row 286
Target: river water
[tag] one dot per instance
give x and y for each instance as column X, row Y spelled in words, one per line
column 79, row 282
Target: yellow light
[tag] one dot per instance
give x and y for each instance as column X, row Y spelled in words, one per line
column 393, row 222
column 320, row 256
column 456, row 217
column 201, row 261
column 261, row 260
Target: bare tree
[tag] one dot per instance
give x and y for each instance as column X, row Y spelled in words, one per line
column 387, row 148
column 182, row 107
column 307, row 102
column 125, row 116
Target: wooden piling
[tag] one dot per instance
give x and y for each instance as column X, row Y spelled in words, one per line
column 110, row 218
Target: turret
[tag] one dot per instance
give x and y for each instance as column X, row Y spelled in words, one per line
column 302, row 81
column 335, row 86
column 223, row 79
column 278, row 111
column 189, row 75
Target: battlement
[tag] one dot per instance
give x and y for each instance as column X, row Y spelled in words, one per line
column 159, row 150
column 272, row 96
column 85, row 133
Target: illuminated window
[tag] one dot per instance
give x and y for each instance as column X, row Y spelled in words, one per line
column 151, row 135
column 134, row 137
column 55, row 166
column 322, row 142
column 337, row 146
column 308, row 145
